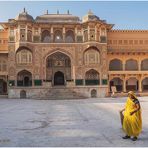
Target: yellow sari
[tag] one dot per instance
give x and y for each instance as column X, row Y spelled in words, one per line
column 132, row 124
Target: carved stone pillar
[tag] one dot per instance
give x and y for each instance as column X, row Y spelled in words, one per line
column 51, row 31
column 26, row 33
column 40, row 33
column 64, row 34
column 139, row 65
column 88, row 33
column 95, row 33
column 140, row 85
column 124, row 85
column 123, row 66
column 76, row 32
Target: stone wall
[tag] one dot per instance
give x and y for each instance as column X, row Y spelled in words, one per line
column 58, row 93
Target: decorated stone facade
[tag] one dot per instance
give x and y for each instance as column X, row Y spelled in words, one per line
column 60, row 55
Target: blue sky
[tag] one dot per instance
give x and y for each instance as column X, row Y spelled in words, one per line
column 124, row 14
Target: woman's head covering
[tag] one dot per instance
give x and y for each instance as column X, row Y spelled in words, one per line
column 132, row 93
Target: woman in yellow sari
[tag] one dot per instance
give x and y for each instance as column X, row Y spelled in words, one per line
column 132, row 121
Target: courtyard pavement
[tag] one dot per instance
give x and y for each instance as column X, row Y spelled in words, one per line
column 87, row 122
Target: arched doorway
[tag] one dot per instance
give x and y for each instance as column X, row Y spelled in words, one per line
column 145, row 84
column 59, row 78
column 3, row 87
column 132, row 84
column 24, row 78
column 26, row 81
column 118, row 83
column 58, row 68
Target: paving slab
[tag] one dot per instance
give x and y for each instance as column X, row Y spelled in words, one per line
column 83, row 122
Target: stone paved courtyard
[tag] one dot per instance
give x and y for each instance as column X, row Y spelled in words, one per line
column 88, row 122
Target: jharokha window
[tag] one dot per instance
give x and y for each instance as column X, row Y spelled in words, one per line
column 24, row 57
column 92, row 56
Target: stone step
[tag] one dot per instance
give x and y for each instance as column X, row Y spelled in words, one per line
column 63, row 93
column 3, row 96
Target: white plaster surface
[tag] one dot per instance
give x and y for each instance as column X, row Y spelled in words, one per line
column 85, row 122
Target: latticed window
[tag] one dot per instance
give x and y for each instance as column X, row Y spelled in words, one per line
column 92, row 77
column 29, row 35
column 70, row 38
column 11, row 32
column 79, row 39
column 3, row 65
column 46, row 38
column 58, row 60
column 92, row 34
column 22, row 34
column 36, row 32
column 92, row 56
column 58, row 37
column 103, row 39
column 24, row 56
column 103, row 32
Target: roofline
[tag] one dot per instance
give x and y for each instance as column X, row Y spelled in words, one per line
column 134, row 30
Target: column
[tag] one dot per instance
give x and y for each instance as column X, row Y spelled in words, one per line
column 100, row 34
column 109, row 86
column 124, row 85
column 26, row 30
column 139, row 66
column 123, row 63
column 73, row 76
column 51, row 31
column 19, row 33
column 140, row 85
column 82, row 31
column 32, row 34
column 32, row 82
column 100, row 79
column 63, row 34
column 40, row 33
column 88, row 33
column 95, row 33
column 76, row 31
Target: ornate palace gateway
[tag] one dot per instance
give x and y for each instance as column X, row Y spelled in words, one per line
column 61, row 56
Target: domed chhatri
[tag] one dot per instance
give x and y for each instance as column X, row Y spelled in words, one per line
column 24, row 16
column 90, row 17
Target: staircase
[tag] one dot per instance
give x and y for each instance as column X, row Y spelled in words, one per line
column 61, row 93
